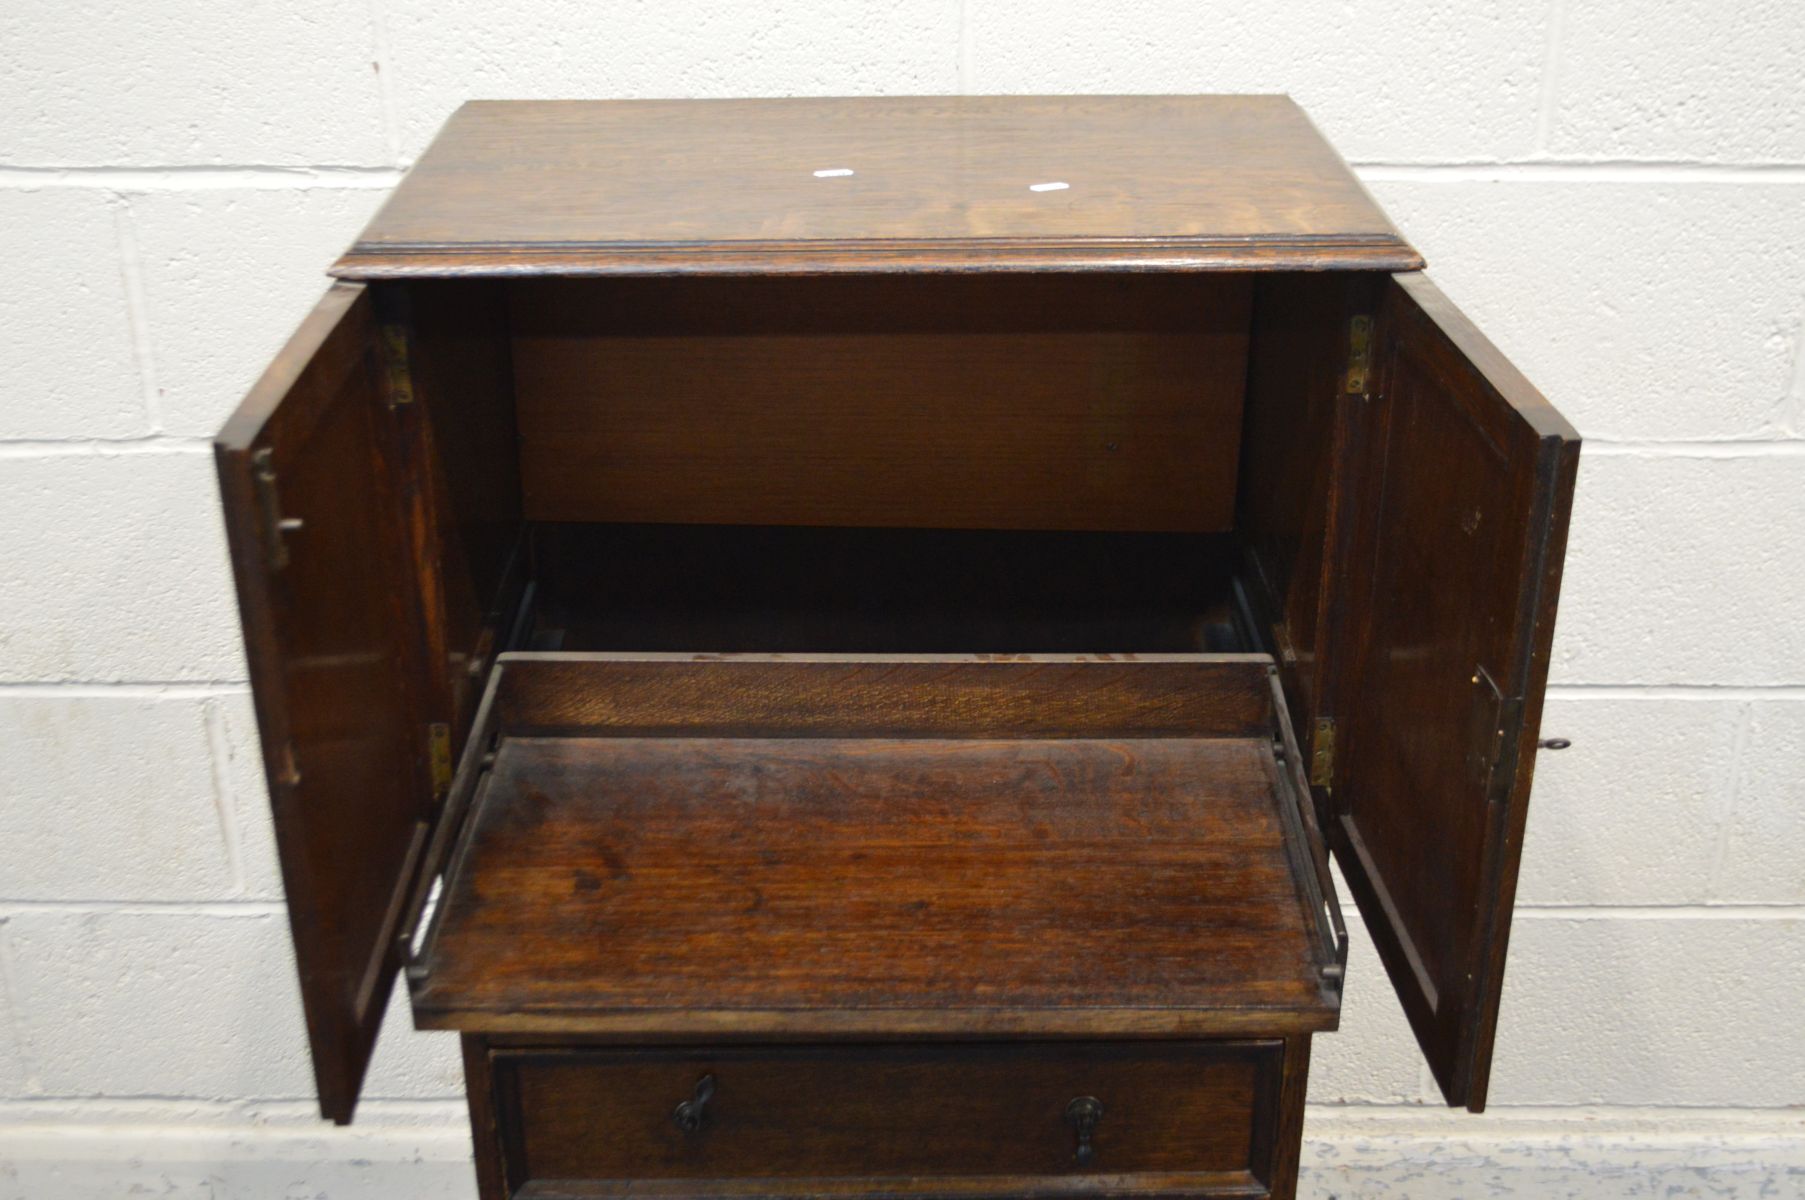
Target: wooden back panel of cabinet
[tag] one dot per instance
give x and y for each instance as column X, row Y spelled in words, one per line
column 1074, row 402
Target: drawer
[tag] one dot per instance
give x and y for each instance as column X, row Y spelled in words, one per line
column 1194, row 1118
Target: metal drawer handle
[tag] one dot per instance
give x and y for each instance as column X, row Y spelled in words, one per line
column 688, row 1113
column 1082, row 1115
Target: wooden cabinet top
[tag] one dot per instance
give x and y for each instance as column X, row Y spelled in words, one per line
column 815, row 185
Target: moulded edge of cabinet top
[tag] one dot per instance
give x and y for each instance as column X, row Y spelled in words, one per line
column 873, row 184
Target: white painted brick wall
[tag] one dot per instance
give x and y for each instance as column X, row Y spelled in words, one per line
column 1760, row 862
column 1679, row 301
column 113, row 566
column 67, row 353
column 228, row 82
column 1615, row 190
column 195, row 249
column 1425, row 82
column 440, row 55
column 1674, row 1007
column 1683, row 80
column 1685, row 567
column 113, row 796
column 1612, row 822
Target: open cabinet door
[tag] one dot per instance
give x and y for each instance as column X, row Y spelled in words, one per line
column 316, row 499
column 1462, row 497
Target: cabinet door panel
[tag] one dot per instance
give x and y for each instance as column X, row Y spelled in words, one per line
column 1463, row 500
column 310, row 482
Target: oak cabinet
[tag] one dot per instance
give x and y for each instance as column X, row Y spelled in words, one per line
column 832, row 640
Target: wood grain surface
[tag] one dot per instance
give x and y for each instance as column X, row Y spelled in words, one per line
column 857, row 886
column 884, row 695
column 333, row 638
column 941, row 183
column 993, row 402
column 1464, row 504
column 1205, row 1111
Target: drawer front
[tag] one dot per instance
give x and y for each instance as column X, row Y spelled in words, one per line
column 1188, row 1117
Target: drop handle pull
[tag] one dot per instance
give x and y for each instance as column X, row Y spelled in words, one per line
column 1082, row 1114
column 687, row 1116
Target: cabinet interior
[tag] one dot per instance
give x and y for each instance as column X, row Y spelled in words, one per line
column 1069, row 526
column 1070, row 463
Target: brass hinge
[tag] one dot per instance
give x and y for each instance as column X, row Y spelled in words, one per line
column 394, row 364
column 276, row 527
column 1322, row 754
column 288, row 772
column 1493, row 714
column 1359, row 355
column 438, row 748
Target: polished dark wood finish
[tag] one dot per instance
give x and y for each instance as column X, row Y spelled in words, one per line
column 1303, row 430
column 896, row 696
column 884, row 851
column 1288, row 1135
column 970, row 1187
column 940, row 184
column 1001, row 402
column 485, row 1130
column 866, row 529
column 1463, row 504
column 1189, row 1118
column 333, row 641
column 469, row 532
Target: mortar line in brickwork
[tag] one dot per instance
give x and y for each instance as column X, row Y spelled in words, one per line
column 10, row 1010
column 1720, row 849
column 1548, row 98
column 103, row 447
column 1557, row 170
column 179, row 178
column 1620, row 1119
column 962, row 48
column 230, row 909
column 1778, row 448
column 305, row 1107
column 225, row 796
column 137, row 313
column 199, row 178
column 27, row 1113
column 1676, row 691
column 1661, row 912
column 1790, row 412
column 77, row 689
column 379, row 57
